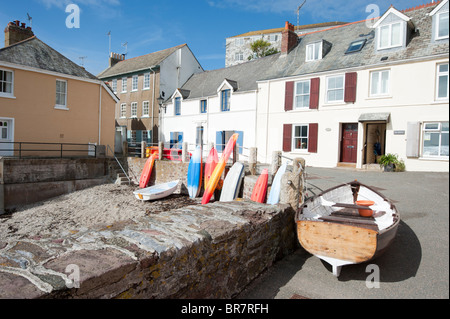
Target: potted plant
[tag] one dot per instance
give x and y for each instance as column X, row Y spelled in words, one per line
column 389, row 161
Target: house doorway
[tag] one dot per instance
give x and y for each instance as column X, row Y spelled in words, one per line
column 349, row 143
column 6, row 137
column 375, row 142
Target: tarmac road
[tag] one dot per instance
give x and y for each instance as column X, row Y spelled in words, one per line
column 415, row 266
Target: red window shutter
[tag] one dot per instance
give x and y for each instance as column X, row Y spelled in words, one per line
column 314, row 93
column 350, row 87
column 287, row 137
column 312, row 141
column 289, row 96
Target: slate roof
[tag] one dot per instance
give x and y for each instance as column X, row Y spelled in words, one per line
column 279, row 65
column 138, row 63
column 242, row 77
column 34, row 53
column 420, row 45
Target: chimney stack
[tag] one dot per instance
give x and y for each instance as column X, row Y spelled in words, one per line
column 115, row 58
column 289, row 38
column 16, row 32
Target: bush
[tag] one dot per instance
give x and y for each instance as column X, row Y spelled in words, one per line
column 391, row 160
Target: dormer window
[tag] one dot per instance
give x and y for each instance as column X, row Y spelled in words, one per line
column 442, row 26
column 440, row 21
column 178, row 106
column 392, row 29
column 390, row 36
column 314, row 51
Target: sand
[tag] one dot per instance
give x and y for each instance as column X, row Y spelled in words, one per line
column 95, row 207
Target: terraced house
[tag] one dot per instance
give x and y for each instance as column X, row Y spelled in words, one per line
column 141, row 83
column 46, row 98
column 341, row 96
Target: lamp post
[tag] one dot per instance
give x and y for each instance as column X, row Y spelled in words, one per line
column 160, row 100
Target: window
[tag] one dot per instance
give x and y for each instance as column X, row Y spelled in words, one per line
column 114, row 85
column 442, row 81
column 177, row 105
column 379, row 82
column 6, row 83
column 123, row 110
column 435, row 139
column 301, row 137
column 442, row 26
column 146, row 81
column 134, row 83
column 314, row 51
column 145, row 109
column 273, row 37
column 124, row 85
column 356, row 46
column 133, row 109
column 203, row 106
column 302, row 94
column 335, row 88
column 390, row 36
column 225, row 100
column 133, row 137
column 239, row 56
column 176, row 140
column 61, row 93
column 146, row 136
column 239, row 41
column 4, row 130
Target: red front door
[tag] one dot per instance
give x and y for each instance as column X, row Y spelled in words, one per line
column 349, row 142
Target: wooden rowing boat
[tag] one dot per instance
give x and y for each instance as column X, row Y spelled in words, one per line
column 330, row 227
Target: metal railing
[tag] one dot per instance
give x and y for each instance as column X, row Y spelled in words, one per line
column 120, row 165
column 36, row 149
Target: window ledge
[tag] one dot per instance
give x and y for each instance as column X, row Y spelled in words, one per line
column 441, row 101
column 337, row 103
column 7, row 96
column 379, row 97
column 61, row 107
column 437, row 158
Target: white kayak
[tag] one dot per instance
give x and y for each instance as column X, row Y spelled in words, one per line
column 156, row 191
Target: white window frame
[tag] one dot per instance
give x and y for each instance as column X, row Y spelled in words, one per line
column 8, row 94
column 114, row 85
column 239, row 56
column 146, row 109
column 294, row 137
column 134, row 83
column 123, row 111
column 390, row 45
column 379, row 84
column 297, row 94
column 239, row 41
column 61, row 106
column 335, row 89
column 438, row 76
column 437, row 37
column 426, row 131
column 134, row 107
column 146, row 84
column 315, row 46
column 124, row 85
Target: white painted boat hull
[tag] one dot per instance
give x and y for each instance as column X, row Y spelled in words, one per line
column 157, row 191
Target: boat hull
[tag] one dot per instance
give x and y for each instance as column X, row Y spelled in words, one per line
column 344, row 239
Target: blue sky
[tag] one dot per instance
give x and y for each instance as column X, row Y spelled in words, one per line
column 154, row 25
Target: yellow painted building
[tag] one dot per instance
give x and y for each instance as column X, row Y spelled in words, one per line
column 46, row 98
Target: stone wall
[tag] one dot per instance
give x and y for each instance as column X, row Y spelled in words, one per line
column 26, row 181
column 202, row 251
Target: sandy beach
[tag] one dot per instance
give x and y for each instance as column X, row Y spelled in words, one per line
column 96, row 207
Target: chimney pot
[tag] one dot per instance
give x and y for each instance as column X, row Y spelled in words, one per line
column 23, row 24
column 16, row 32
column 17, row 22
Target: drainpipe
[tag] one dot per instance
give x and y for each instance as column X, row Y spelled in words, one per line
column 153, row 104
column 100, row 115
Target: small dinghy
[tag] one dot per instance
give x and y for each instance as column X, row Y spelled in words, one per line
column 156, row 191
column 337, row 228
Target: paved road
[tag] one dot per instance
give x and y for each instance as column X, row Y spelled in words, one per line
column 415, row 266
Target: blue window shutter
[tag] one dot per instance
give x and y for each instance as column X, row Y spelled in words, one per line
column 180, row 140
column 240, row 141
column 171, row 139
column 138, row 136
column 128, row 136
column 219, row 141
